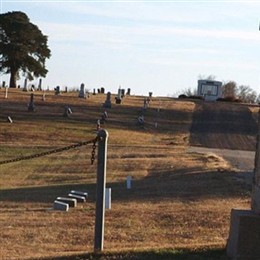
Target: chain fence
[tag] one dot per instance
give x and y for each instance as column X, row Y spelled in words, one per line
column 58, row 150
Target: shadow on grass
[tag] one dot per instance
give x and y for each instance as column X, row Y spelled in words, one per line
column 224, row 127
column 184, row 185
column 164, row 254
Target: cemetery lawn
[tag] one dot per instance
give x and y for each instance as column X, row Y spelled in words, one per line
column 179, row 205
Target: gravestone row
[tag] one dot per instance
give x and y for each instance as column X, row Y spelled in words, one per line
column 73, row 198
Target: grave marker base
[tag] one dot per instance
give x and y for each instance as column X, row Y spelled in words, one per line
column 244, row 235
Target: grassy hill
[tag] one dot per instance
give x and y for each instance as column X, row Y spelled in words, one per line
column 179, row 205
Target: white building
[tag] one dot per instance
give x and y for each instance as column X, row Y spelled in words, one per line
column 209, row 89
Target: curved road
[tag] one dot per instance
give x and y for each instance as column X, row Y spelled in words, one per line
column 225, row 129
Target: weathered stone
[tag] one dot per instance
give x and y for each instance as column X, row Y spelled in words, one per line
column 77, row 197
column 58, row 205
column 57, row 90
column 31, row 106
column 82, row 93
column 70, row 201
column 80, row 193
column 244, row 236
column 107, row 103
column 9, row 119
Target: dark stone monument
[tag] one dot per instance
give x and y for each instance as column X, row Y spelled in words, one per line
column 82, row 91
column 107, row 103
column 128, row 91
column 40, row 85
column 31, row 106
column 118, row 97
column 57, row 90
column 122, row 93
column 67, row 111
column 102, row 90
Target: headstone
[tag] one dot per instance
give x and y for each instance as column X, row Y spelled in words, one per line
column 94, row 91
column 150, row 94
column 31, row 106
column 67, row 111
column 98, row 124
column 25, row 85
column 128, row 91
column 122, row 92
column 82, row 91
column 66, row 89
column 118, row 97
column 57, row 90
column 145, row 104
column 98, row 90
column 58, row 205
column 107, row 103
column 70, row 201
column 9, row 119
column 40, row 85
column 3, row 84
column 102, row 90
column 108, row 198
column 80, row 193
column 77, row 197
column 104, row 117
column 43, row 97
column 128, row 182
column 140, row 120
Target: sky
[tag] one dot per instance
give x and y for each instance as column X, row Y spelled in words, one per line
column 156, row 46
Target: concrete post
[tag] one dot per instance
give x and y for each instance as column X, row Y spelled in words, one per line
column 100, row 191
column 255, row 199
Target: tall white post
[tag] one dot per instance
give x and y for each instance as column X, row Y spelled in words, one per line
column 100, row 191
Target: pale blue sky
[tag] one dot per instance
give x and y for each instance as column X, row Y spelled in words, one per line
column 158, row 46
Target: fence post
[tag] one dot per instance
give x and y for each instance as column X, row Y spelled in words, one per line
column 100, row 191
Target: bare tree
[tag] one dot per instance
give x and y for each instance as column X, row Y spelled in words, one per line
column 246, row 94
column 229, row 89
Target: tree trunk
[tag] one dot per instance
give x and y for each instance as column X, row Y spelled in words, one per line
column 12, row 83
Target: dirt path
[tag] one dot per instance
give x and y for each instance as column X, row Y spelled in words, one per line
column 223, row 126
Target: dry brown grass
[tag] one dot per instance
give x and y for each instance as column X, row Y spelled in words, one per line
column 178, row 199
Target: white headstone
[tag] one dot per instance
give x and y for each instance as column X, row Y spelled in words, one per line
column 128, row 182
column 108, row 198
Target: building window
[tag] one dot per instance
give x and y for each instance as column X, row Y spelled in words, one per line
column 209, row 90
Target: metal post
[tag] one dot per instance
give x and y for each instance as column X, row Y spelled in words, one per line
column 100, row 190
